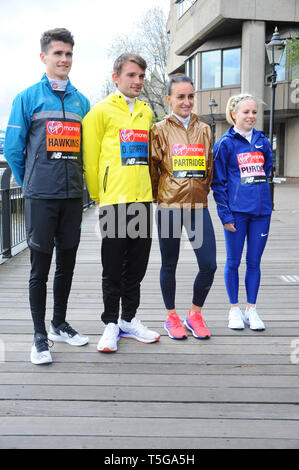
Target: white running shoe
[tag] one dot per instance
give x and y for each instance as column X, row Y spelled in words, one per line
column 64, row 333
column 236, row 319
column 136, row 330
column 40, row 353
column 252, row 319
column 108, row 341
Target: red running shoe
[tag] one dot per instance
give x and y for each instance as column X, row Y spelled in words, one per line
column 197, row 325
column 174, row 327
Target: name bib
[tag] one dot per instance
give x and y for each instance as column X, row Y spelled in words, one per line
column 63, row 140
column 251, row 166
column 188, row 161
column 133, row 147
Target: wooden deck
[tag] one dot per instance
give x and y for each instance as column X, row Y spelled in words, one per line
column 236, row 390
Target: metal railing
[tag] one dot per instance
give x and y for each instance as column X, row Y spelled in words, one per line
column 12, row 214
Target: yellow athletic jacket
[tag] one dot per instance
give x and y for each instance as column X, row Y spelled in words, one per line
column 115, row 151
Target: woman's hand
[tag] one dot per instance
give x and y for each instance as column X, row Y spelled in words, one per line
column 230, row 227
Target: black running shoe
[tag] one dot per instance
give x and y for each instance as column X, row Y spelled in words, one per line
column 64, row 333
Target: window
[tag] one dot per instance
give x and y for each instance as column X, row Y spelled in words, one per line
column 220, row 68
column 183, row 6
column 211, row 69
column 231, row 67
column 192, row 70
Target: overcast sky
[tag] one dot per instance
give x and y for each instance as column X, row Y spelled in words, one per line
column 93, row 23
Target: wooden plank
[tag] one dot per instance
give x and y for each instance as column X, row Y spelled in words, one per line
column 152, row 358
column 109, row 367
column 45, row 408
column 237, row 339
column 149, row 394
column 127, row 358
column 190, row 346
column 149, row 427
column 136, row 442
column 143, row 380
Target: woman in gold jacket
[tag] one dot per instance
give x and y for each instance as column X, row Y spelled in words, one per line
column 181, row 167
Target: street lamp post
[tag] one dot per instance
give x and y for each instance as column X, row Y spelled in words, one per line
column 212, row 104
column 275, row 50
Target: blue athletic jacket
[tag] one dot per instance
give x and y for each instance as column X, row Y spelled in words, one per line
column 241, row 171
column 43, row 141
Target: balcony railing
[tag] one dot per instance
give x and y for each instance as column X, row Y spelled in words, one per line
column 12, row 214
column 183, row 6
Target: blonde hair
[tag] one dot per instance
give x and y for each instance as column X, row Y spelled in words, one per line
column 233, row 103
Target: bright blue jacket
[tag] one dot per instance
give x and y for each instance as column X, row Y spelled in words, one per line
column 39, row 122
column 232, row 192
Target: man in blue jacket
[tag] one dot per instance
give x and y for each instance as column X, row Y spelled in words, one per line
column 43, row 148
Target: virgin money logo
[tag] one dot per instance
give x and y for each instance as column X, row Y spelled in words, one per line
column 244, row 159
column 180, row 150
column 127, row 135
column 55, row 127
column 247, row 158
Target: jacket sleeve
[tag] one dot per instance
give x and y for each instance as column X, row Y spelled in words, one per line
column 268, row 158
column 219, row 184
column 15, row 138
column 156, row 156
column 92, row 131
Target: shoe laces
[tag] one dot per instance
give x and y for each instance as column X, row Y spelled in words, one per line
column 66, row 328
column 197, row 318
column 235, row 312
column 137, row 326
column 42, row 343
column 111, row 330
column 252, row 312
column 173, row 320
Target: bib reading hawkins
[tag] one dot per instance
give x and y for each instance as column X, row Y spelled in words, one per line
column 63, row 140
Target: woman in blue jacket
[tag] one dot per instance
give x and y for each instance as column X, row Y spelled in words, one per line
column 242, row 164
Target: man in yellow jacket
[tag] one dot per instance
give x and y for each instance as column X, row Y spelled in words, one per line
column 115, row 159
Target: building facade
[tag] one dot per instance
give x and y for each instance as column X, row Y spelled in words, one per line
column 220, row 44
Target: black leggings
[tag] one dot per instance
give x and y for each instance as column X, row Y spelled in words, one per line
column 40, row 267
column 200, row 232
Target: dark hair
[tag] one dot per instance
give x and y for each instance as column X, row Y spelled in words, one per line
column 178, row 79
column 57, row 34
column 128, row 57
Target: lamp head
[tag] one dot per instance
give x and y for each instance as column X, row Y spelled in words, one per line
column 275, row 48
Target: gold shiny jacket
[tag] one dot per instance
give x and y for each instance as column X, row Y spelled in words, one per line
column 178, row 192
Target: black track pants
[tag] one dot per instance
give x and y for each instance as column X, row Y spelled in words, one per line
column 51, row 223
column 125, row 254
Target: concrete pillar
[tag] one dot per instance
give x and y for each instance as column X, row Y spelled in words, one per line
column 253, row 63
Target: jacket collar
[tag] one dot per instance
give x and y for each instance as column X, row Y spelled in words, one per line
column 119, row 100
column 235, row 135
column 174, row 119
column 69, row 87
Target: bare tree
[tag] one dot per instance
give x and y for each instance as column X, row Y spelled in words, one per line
column 150, row 40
